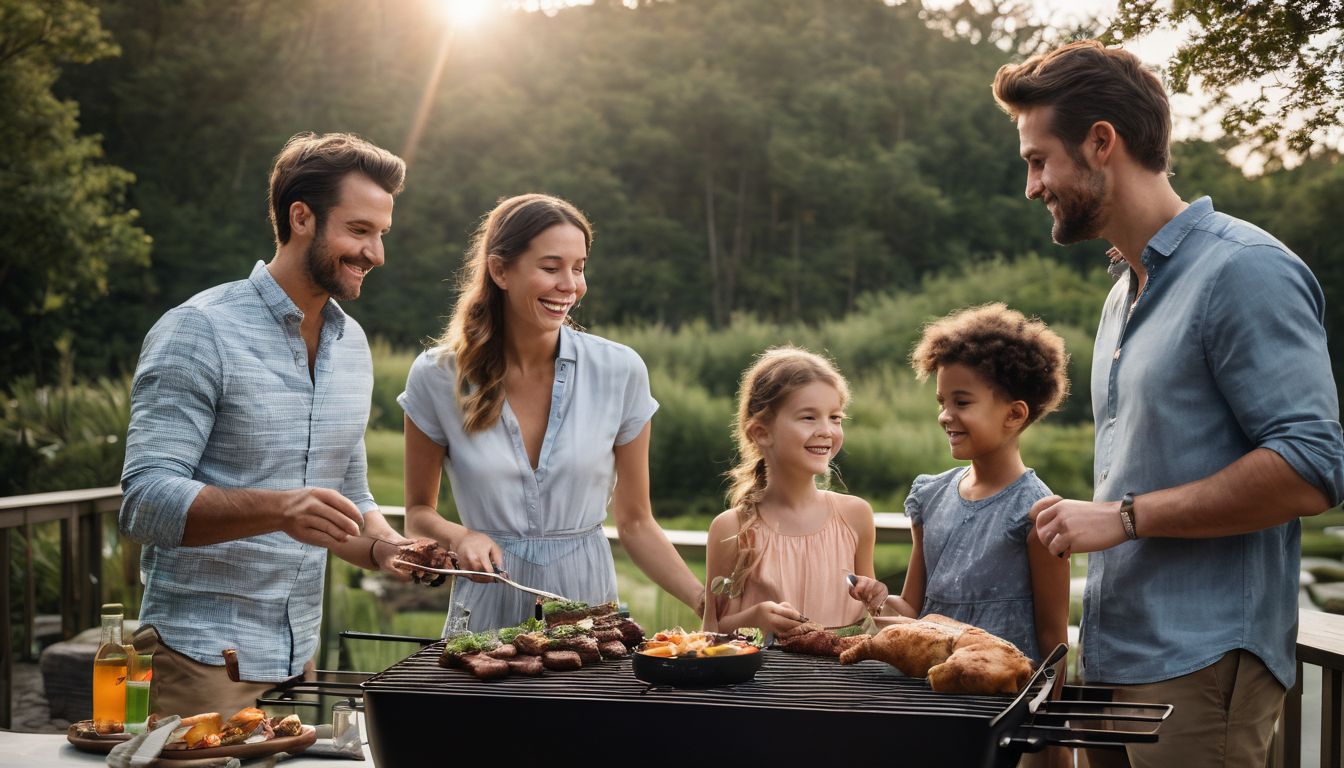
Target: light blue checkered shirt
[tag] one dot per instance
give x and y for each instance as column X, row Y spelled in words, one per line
column 222, row 396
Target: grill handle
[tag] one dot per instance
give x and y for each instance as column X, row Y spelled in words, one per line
column 1144, row 718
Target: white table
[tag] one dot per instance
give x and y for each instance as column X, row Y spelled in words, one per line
column 44, row 750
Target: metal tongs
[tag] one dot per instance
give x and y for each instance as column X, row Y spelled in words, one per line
column 496, row 576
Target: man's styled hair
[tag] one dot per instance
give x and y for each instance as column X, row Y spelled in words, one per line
column 1086, row 82
column 310, row 168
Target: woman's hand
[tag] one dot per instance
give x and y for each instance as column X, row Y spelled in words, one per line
column 777, row 617
column 478, row 552
column 869, row 591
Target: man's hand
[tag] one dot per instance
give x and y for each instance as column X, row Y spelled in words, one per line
column 319, row 516
column 385, row 550
column 1065, row 526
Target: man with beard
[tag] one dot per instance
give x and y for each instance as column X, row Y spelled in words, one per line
column 245, row 456
column 1217, row 418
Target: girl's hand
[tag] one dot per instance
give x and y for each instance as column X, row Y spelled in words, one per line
column 478, row 552
column 778, row 617
column 869, row 591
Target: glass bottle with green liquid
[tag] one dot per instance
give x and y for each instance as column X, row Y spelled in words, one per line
column 109, row 674
column 140, row 671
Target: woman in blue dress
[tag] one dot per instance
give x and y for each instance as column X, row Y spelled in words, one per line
column 535, row 422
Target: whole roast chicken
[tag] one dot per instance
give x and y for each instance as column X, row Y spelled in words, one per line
column 956, row 657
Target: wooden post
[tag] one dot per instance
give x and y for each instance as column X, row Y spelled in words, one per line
column 69, row 613
column 1332, row 686
column 92, row 555
column 29, row 590
column 1291, row 725
column 7, row 668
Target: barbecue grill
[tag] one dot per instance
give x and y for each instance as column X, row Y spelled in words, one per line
column 812, row 706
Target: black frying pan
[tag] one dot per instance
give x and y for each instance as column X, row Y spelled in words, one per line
column 697, row 671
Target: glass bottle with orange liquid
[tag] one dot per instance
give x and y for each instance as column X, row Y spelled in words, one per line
column 109, row 674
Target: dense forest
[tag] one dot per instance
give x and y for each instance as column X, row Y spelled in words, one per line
column 777, row 160
column 750, row 166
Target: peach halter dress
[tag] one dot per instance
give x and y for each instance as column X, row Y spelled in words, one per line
column 807, row 571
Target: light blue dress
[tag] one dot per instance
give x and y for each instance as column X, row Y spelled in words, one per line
column 975, row 554
column 547, row 521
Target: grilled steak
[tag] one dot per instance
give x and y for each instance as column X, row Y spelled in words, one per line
column 561, row 660
column 528, row 666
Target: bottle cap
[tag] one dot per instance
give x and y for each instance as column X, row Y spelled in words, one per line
column 113, row 609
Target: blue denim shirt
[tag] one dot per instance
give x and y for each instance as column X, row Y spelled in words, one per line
column 222, row 396
column 1225, row 353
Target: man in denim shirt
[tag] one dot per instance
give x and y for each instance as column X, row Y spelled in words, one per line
column 245, row 456
column 1217, row 418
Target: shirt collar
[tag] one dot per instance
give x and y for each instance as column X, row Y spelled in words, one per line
column 1169, row 237
column 283, row 307
column 569, row 346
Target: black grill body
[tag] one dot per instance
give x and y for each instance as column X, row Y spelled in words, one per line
column 797, row 707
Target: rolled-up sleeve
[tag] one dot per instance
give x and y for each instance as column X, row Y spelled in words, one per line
column 178, row 383
column 1266, row 345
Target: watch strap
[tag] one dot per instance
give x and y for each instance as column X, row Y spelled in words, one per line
column 1127, row 516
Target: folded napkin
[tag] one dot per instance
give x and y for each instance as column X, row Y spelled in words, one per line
column 143, row 751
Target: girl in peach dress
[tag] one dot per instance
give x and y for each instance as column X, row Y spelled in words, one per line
column 780, row 556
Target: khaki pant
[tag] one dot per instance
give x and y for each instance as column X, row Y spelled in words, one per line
column 183, row 686
column 1223, row 716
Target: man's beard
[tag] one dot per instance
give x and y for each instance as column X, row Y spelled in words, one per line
column 324, row 268
column 1079, row 210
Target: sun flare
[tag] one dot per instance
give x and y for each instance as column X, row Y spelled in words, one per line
column 465, row 13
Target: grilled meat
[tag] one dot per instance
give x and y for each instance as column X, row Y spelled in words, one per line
column 584, row 645
column 238, row 728
column 631, row 633
column 428, row 554
column 608, row 634
column 561, row 660
column 529, row 666
column 613, row 649
column 485, row 667
column 287, row 726
column 817, row 642
column 506, row 651
column 532, row 643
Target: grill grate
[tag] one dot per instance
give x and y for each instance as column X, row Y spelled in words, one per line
column 786, row 681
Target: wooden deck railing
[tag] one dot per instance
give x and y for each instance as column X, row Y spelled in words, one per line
column 80, row 516
column 1320, row 642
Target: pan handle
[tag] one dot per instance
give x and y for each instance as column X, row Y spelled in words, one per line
column 423, row 641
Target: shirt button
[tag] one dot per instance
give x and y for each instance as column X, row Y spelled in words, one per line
column 1116, row 356
column 1104, row 473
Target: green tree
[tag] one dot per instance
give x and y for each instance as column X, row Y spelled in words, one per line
column 1298, row 45
column 67, row 231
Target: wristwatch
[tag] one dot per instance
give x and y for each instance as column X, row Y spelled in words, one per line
column 1127, row 515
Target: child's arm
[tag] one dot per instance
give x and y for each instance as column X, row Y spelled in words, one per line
column 911, row 599
column 1050, row 594
column 720, row 557
column 870, row 591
